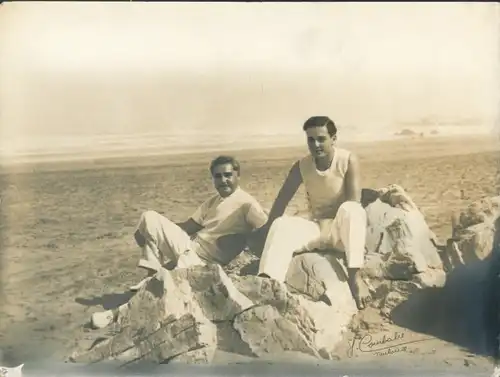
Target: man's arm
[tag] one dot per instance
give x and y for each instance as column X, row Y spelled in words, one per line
column 292, row 182
column 353, row 180
column 190, row 226
column 194, row 223
column 286, row 193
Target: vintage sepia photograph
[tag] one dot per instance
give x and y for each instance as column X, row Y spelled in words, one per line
column 250, row 184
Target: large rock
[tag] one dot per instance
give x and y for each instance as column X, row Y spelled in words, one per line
column 468, row 288
column 401, row 252
column 266, row 331
column 315, row 275
column 473, row 253
column 162, row 321
column 399, row 242
column 475, row 242
column 474, row 232
column 319, row 324
column 177, row 310
column 486, row 210
column 187, row 315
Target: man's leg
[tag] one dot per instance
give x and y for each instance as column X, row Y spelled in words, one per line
column 286, row 235
column 161, row 242
column 347, row 232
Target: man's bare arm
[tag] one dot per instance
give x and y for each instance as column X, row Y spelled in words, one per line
column 353, row 180
column 257, row 238
column 286, row 193
column 190, row 226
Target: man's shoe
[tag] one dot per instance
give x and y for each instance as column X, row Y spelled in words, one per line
column 100, row 320
column 325, row 298
column 139, row 285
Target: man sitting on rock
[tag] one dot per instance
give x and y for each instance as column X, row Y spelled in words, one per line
column 215, row 233
column 337, row 219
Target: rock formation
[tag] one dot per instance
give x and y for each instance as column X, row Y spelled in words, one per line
column 401, row 252
column 186, row 315
column 473, row 232
column 473, row 256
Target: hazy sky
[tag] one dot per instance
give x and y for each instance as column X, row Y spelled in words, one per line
column 83, row 68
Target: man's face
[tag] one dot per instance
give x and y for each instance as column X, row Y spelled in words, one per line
column 225, row 179
column 320, row 142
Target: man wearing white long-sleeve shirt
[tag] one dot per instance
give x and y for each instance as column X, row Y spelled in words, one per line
column 337, row 219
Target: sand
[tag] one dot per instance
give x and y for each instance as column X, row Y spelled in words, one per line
column 67, row 227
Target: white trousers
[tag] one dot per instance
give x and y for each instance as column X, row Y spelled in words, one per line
column 346, row 232
column 165, row 242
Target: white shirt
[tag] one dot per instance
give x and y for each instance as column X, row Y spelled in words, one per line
column 239, row 213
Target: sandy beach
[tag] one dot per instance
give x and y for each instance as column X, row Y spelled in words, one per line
column 67, row 227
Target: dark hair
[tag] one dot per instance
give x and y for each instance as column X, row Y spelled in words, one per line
column 321, row 121
column 221, row 160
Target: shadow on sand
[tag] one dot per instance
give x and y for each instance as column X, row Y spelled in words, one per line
column 107, row 301
column 465, row 311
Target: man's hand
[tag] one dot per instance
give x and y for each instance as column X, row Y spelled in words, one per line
column 190, row 226
column 299, row 252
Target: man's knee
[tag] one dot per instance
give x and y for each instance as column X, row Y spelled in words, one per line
column 148, row 220
column 279, row 225
column 351, row 205
column 278, row 222
column 147, row 223
column 282, row 222
column 352, row 208
column 149, row 216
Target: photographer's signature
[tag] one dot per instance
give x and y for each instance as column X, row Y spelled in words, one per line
column 382, row 345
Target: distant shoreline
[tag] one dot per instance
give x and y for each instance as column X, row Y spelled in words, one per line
column 403, row 146
column 77, row 147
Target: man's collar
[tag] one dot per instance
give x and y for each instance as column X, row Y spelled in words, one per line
column 237, row 190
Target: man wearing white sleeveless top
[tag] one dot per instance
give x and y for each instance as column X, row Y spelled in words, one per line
column 337, row 219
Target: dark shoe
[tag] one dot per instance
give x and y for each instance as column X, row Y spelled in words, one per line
column 324, row 297
column 170, row 265
column 138, row 286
